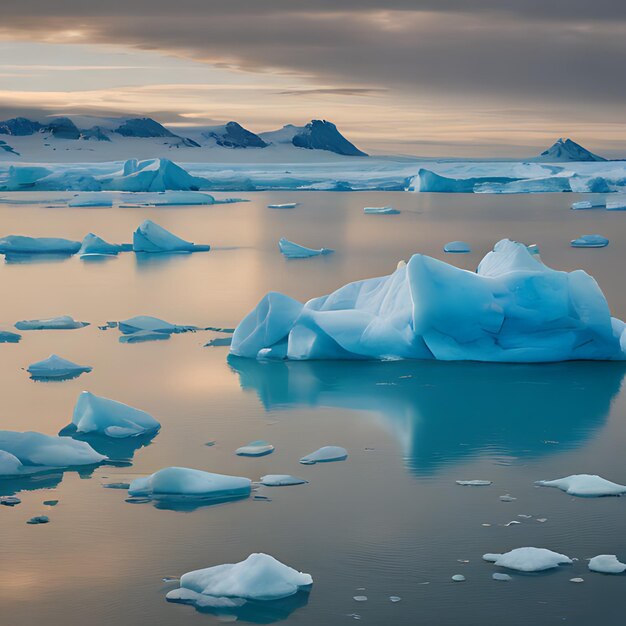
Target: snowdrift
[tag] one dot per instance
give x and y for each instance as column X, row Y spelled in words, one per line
column 512, row 309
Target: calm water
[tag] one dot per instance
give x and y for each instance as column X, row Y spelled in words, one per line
column 391, row 518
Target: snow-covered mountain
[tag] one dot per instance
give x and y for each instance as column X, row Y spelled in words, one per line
column 567, row 150
column 92, row 139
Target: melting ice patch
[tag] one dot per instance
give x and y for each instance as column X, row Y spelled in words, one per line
column 150, row 237
column 255, row 448
column 63, row 322
column 585, row 486
column 295, row 251
column 528, row 559
column 512, row 309
column 325, row 455
column 23, row 453
column 182, row 482
column 57, row 368
column 260, row 577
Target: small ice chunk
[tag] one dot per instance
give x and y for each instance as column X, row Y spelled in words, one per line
column 143, row 335
column 50, row 502
column 219, row 342
column 116, row 485
column 457, row 247
column 500, row 576
column 512, row 523
column 150, row 237
column 380, row 210
column 94, row 414
column 63, row 322
column 395, row 598
column 325, row 454
column 9, row 500
column 18, row 244
column 281, row 480
column 260, row 577
column 93, row 245
column 507, row 498
column 588, row 204
column 528, row 559
column 577, row 580
column 153, row 324
column 7, row 336
column 285, row 205
column 541, row 520
column 458, row 578
column 590, row 241
column 189, row 483
column 295, row 251
column 474, row 483
column 56, row 367
column 585, row 485
column 606, row 564
column 39, row 519
column 255, row 448
column 360, row 598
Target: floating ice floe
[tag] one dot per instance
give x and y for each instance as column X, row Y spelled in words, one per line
column 56, row 367
column 528, row 559
column 457, row 247
column 19, row 244
column 140, row 336
column 7, row 336
column 585, row 485
column 93, row 245
column 152, row 324
column 458, row 578
column 590, row 241
column 325, row 455
column 23, row 453
column 286, row 205
column 39, row 519
column 512, row 309
column 94, row 414
column 295, row 251
column 218, row 342
column 171, row 198
column 380, row 210
column 255, row 448
column 182, row 482
column 618, row 204
column 94, row 201
column 500, row 576
column 63, row 322
column 473, row 483
column 584, row 205
column 606, row 564
column 150, row 237
column 281, row 480
column 260, row 577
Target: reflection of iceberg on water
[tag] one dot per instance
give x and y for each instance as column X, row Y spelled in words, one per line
column 512, row 309
column 443, row 413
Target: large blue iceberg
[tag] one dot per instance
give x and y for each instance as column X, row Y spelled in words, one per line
column 512, row 309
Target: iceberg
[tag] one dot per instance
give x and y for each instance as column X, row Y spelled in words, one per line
column 584, row 205
column 616, row 205
column 380, row 210
column 56, row 367
column 7, row 336
column 18, row 244
column 589, row 184
column 281, row 480
column 152, row 175
column 428, row 181
column 93, row 245
column 150, row 237
column 63, row 322
column 260, row 577
column 512, row 309
column 589, row 241
column 97, row 415
column 295, row 251
column 457, row 247
column 30, row 452
column 585, row 486
column 528, row 559
column 286, row 205
column 152, row 324
column 327, row 454
column 182, row 482
column 255, row 448
column 546, row 184
column 606, row 564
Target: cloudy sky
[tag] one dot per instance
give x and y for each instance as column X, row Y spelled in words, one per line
column 427, row 77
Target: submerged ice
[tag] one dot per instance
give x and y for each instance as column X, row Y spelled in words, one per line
column 512, row 309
